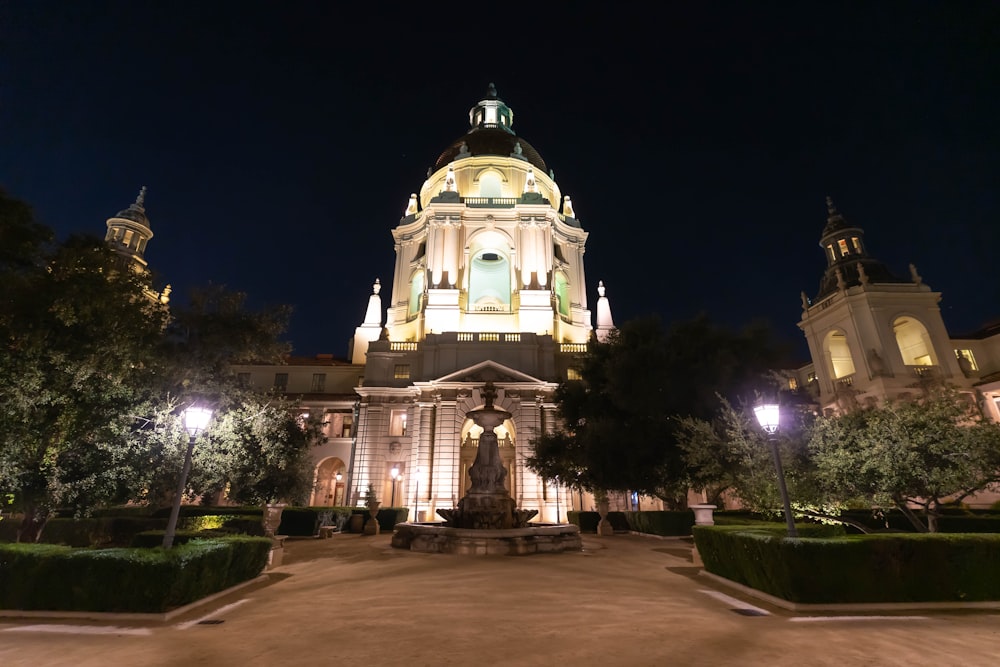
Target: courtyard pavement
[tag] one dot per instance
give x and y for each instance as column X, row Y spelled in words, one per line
column 624, row 600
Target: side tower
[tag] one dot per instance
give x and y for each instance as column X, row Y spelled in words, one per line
column 128, row 233
column 872, row 335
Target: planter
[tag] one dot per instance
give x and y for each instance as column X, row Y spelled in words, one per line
column 371, row 526
column 604, row 528
column 703, row 515
column 356, row 523
column 271, row 518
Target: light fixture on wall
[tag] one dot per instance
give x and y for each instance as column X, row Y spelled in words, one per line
column 394, row 474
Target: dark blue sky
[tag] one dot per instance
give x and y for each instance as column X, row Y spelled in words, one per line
column 280, row 141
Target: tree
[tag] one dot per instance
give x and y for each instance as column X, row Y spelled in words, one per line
column 908, row 453
column 93, row 376
column 77, row 359
column 260, row 451
column 620, row 417
column 732, row 455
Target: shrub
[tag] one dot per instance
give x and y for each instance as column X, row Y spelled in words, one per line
column 388, row 517
column 202, row 510
column 50, row 577
column 855, row 568
column 660, row 522
column 587, row 521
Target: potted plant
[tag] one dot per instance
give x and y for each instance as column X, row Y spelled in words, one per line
column 372, row 503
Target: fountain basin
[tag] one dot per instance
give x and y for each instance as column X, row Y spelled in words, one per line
column 532, row 539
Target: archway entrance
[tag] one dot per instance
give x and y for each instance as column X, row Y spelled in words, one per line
column 470, row 444
column 331, row 476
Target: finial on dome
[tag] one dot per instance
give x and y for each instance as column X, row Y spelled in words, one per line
column 530, row 185
column 492, row 91
column 600, row 288
column 914, row 276
column 377, row 286
column 862, row 276
column 449, row 180
column 830, row 208
column 411, row 207
column 568, row 207
column 841, row 285
column 805, row 300
column 140, row 201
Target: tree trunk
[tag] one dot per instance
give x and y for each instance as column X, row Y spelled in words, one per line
column 932, row 515
column 911, row 517
column 32, row 524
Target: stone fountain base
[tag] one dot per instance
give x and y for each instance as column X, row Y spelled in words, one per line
column 533, row 539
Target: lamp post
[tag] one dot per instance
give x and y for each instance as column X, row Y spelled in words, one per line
column 416, row 499
column 195, row 421
column 558, row 511
column 394, row 473
column 768, row 414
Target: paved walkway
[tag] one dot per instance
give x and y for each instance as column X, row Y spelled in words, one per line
column 625, row 600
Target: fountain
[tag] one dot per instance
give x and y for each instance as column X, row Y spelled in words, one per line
column 487, row 520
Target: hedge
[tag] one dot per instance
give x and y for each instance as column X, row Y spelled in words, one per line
column 587, row 521
column 59, row 578
column 661, row 522
column 855, row 568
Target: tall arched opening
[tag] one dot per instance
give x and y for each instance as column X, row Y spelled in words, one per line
column 330, row 478
column 838, row 355
column 914, row 342
column 470, row 444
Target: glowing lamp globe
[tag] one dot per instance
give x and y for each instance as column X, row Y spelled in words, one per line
column 196, row 419
column 767, row 415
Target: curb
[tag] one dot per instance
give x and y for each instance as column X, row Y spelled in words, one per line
column 848, row 606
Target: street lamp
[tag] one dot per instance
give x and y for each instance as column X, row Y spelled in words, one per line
column 394, row 473
column 195, row 421
column 767, row 415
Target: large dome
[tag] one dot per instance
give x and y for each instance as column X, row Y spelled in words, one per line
column 490, row 141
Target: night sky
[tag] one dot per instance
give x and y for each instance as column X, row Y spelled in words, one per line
column 280, row 141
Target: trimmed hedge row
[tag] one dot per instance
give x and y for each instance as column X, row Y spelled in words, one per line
column 59, row 578
column 660, row 522
column 855, row 568
column 587, row 521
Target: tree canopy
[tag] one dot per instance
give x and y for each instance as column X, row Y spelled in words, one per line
column 621, row 417
column 93, row 375
column 908, row 453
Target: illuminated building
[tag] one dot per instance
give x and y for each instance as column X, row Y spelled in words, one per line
column 488, row 284
column 874, row 336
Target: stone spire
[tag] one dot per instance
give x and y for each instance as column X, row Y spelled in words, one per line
column 371, row 328
column 604, row 321
column 568, row 207
column 530, row 184
column 411, row 206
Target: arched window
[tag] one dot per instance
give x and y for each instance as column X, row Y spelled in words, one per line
column 489, row 274
column 416, row 302
column 914, row 342
column 562, row 294
column 489, row 284
column 838, row 354
column 490, row 184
